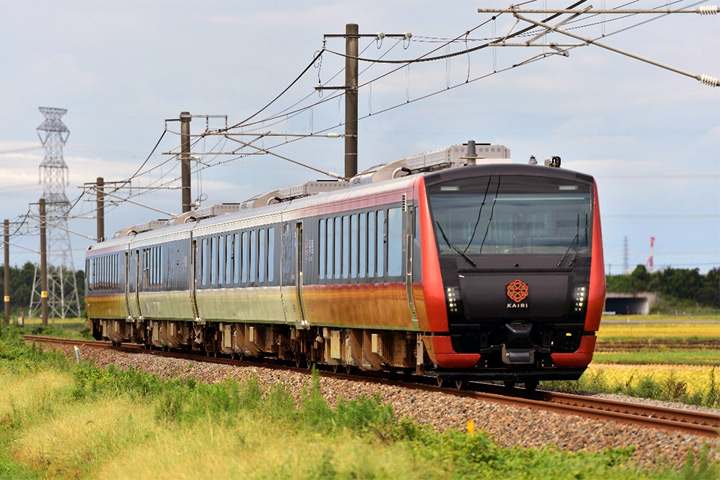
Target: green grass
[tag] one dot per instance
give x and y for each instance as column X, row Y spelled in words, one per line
column 662, row 356
column 68, row 328
column 59, row 419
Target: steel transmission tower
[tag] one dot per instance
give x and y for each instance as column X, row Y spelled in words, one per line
column 63, row 298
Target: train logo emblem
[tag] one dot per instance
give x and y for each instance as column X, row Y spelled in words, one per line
column 517, row 291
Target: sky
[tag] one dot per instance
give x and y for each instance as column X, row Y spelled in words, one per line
column 122, row 69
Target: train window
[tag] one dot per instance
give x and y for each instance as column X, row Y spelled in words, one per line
column 245, row 256
column 521, row 215
column 213, row 260
column 253, row 255
column 262, row 259
column 323, row 240
column 271, row 254
column 337, row 266
column 380, row 267
column 330, row 247
column 221, row 259
column 205, row 264
column 362, row 246
column 394, row 243
column 236, row 257
column 353, row 246
column 228, row 259
column 372, row 242
column 145, row 267
column 346, row 247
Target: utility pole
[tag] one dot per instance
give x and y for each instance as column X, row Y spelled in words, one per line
column 43, row 265
column 351, row 99
column 100, row 201
column 6, row 224
column 185, row 118
column 352, row 37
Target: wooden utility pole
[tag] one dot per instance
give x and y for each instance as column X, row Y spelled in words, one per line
column 43, row 265
column 351, row 99
column 6, row 224
column 352, row 40
column 185, row 118
column 100, row 201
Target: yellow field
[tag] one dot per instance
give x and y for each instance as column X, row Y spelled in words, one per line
column 680, row 327
column 698, row 379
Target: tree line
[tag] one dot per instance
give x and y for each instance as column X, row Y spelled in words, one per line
column 21, row 285
column 671, row 283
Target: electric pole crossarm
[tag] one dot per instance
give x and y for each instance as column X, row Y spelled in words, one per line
column 706, row 79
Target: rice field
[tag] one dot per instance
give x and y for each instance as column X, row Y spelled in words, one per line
column 636, row 327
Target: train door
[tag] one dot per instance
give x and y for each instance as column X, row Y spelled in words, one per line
column 194, row 269
column 299, row 242
column 137, row 283
column 128, row 282
column 409, row 227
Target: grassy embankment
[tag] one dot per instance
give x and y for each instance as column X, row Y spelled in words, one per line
column 663, row 373
column 59, row 419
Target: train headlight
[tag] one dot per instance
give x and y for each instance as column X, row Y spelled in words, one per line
column 580, row 298
column 453, row 299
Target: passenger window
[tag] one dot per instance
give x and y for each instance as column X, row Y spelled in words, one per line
column 221, row 260
column 245, row 256
column 346, row 247
column 262, row 263
column 363, row 245
column 253, row 255
column 394, row 244
column 322, row 239
column 330, row 247
column 380, row 269
column 271, row 254
column 353, row 246
column 372, row 241
column 228, row 259
column 338, row 247
column 236, row 257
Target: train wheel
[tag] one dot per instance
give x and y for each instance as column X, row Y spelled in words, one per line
column 509, row 383
column 300, row 361
column 335, row 368
column 348, row 369
column 440, row 381
column 460, row 384
column 531, row 385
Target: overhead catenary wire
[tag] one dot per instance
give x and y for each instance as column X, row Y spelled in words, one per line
column 461, row 37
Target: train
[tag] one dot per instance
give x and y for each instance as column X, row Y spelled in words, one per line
column 468, row 269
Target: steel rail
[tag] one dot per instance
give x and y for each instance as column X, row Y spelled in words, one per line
column 681, row 420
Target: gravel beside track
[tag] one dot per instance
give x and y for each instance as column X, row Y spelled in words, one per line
column 509, row 426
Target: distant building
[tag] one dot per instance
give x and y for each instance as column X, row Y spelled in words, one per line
column 629, row 303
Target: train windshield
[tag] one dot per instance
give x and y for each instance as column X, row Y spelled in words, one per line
column 499, row 215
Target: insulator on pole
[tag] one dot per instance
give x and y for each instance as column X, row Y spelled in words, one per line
column 708, row 10
column 708, row 80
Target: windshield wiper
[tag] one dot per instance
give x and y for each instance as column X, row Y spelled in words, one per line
column 454, row 247
column 492, row 212
column 572, row 242
column 477, row 222
column 577, row 248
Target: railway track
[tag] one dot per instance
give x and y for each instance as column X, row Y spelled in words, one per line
column 681, row 420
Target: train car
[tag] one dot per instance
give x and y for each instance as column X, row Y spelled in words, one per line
column 490, row 271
